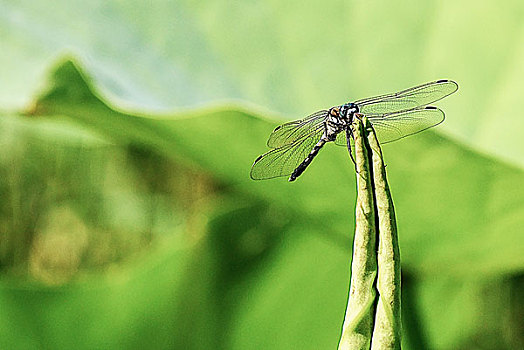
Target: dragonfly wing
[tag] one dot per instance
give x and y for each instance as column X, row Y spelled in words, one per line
column 407, row 99
column 283, row 160
column 341, row 139
column 290, row 132
column 394, row 126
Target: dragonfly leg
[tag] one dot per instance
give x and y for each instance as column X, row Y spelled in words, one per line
column 349, row 136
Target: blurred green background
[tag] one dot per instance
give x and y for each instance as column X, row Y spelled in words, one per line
column 127, row 132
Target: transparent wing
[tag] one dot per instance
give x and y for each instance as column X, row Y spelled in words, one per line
column 341, row 139
column 407, row 99
column 292, row 131
column 394, row 126
column 283, row 160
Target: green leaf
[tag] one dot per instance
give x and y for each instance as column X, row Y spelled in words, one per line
column 459, row 212
column 437, row 187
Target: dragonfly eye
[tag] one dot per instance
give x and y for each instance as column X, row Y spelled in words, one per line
column 348, row 109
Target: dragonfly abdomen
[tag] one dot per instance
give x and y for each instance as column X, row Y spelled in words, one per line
column 302, row 166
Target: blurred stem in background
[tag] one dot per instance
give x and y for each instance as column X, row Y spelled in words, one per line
column 372, row 322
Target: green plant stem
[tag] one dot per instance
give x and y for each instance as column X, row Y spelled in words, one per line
column 371, row 321
column 387, row 331
column 360, row 312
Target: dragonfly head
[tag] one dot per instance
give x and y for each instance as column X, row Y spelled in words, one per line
column 347, row 110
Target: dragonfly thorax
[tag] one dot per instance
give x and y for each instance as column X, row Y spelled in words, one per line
column 338, row 119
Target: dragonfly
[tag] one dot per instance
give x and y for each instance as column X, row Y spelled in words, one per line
column 394, row 116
